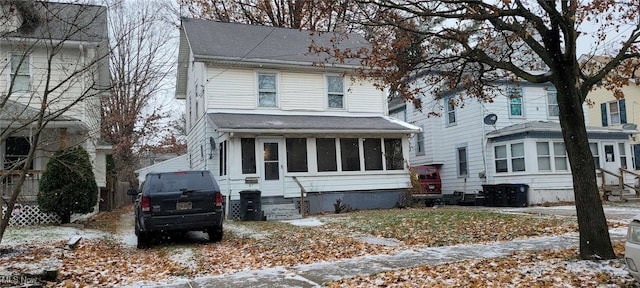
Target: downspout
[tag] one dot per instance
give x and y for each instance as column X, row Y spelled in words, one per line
column 484, row 146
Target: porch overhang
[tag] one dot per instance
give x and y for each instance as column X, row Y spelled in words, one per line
column 544, row 129
column 309, row 124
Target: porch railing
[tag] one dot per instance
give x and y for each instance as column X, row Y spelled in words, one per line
column 620, row 187
column 30, row 187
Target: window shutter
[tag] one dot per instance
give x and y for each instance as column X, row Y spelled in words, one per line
column 623, row 111
column 603, row 114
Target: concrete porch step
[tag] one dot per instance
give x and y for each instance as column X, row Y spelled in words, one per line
column 281, row 211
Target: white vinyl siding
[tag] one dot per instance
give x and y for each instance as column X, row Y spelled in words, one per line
column 231, row 89
column 236, row 89
column 302, row 91
column 364, row 97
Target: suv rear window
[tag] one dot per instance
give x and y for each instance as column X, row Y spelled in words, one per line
column 172, row 182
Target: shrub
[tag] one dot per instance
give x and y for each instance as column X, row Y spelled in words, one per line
column 68, row 184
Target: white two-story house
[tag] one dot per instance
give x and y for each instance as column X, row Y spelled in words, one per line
column 263, row 115
column 53, row 58
column 516, row 139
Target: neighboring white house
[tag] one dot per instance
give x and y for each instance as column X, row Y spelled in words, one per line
column 59, row 48
column 178, row 163
column 261, row 116
column 515, row 140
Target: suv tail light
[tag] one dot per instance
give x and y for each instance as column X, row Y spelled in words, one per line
column 218, row 199
column 145, row 204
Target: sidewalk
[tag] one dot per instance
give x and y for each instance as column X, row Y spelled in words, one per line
column 313, row 275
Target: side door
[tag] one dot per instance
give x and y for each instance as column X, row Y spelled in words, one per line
column 271, row 166
column 611, row 162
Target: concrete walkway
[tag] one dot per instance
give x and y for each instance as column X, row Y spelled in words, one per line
column 314, row 275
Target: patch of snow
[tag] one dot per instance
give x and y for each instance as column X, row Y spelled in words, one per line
column 42, row 234
column 379, row 241
column 243, row 231
column 304, row 222
column 184, row 257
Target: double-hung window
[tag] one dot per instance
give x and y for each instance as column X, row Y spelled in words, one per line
column 552, row 156
column 552, row 103
column 509, row 158
column 596, row 154
column 420, row 142
column 463, row 168
column 450, row 110
column 544, row 156
column 335, row 92
column 560, row 156
column 517, row 157
column 501, row 158
column 515, row 101
column 623, row 155
column 267, row 90
column 613, row 113
column 20, row 75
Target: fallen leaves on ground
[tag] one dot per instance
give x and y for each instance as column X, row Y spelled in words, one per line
column 549, row 268
column 451, row 225
column 107, row 262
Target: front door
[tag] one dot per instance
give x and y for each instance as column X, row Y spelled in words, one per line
column 271, row 172
column 611, row 162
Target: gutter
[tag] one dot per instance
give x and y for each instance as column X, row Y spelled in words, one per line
column 313, row 131
column 275, row 63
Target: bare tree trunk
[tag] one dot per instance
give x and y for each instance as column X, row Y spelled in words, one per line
column 595, row 242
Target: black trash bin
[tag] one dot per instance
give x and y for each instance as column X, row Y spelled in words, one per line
column 520, row 195
column 250, row 206
column 489, row 191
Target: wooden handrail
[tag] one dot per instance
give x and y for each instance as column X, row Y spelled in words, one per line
column 302, row 192
column 620, row 177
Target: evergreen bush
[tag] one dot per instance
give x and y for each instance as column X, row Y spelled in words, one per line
column 68, row 184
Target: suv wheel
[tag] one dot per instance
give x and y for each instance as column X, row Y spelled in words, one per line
column 215, row 233
column 143, row 240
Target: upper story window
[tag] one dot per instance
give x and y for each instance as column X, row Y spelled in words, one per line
column 450, row 110
column 335, row 91
column 613, row 113
column 515, row 101
column 552, row 103
column 267, row 90
column 420, row 142
column 20, row 75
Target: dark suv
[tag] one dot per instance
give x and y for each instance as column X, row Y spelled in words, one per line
column 178, row 201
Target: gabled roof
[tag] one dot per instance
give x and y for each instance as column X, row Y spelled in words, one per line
column 554, row 128
column 61, row 21
column 265, row 123
column 252, row 43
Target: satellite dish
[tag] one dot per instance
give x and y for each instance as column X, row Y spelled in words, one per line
column 629, row 126
column 490, row 119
